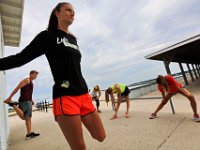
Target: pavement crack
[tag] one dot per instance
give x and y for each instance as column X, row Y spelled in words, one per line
column 165, row 140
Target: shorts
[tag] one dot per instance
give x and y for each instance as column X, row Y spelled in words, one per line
column 126, row 92
column 26, row 107
column 73, row 105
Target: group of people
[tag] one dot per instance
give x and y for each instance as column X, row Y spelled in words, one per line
column 118, row 89
column 168, row 87
column 72, row 104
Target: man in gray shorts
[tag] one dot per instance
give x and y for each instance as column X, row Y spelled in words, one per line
column 25, row 102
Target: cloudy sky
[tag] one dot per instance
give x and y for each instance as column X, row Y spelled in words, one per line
column 114, row 36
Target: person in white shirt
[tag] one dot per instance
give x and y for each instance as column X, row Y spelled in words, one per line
column 96, row 93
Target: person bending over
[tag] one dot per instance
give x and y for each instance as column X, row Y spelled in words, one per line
column 122, row 91
column 168, row 87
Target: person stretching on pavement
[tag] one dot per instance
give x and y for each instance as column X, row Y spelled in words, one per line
column 168, row 87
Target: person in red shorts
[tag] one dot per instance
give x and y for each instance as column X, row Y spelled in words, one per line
column 72, row 104
column 168, row 87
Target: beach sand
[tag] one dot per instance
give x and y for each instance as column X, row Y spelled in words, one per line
column 167, row 132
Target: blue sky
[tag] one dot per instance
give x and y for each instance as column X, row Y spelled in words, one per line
column 114, row 36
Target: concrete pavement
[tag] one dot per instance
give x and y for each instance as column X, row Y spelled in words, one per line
column 167, row 132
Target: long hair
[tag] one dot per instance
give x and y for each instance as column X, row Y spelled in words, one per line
column 53, row 20
column 97, row 89
column 107, row 93
column 107, row 96
column 161, row 80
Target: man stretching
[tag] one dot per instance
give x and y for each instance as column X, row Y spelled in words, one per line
column 24, row 110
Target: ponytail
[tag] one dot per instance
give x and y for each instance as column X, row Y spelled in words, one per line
column 53, row 20
column 107, row 97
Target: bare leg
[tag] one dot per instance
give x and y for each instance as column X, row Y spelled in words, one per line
column 113, row 104
column 19, row 112
column 8, row 100
column 116, row 109
column 97, row 105
column 94, row 125
column 28, row 125
column 192, row 100
column 163, row 102
column 71, row 127
column 127, row 106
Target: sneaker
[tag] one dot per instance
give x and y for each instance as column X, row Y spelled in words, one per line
column 11, row 104
column 29, row 136
column 196, row 118
column 35, row 134
column 153, row 116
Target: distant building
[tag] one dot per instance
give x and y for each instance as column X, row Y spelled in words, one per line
column 11, row 12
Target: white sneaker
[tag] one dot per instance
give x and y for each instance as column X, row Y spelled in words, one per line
column 196, row 118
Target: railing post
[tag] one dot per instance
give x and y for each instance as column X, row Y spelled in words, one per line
column 45, row 105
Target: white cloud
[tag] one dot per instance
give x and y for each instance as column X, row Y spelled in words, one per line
column 113, row 35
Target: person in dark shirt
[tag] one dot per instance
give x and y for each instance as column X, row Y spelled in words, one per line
column 72, row 103
column 25, row 102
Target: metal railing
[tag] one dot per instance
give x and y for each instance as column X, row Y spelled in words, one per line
column 43, row 105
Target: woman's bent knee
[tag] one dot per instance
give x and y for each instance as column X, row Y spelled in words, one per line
column 100, row 138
